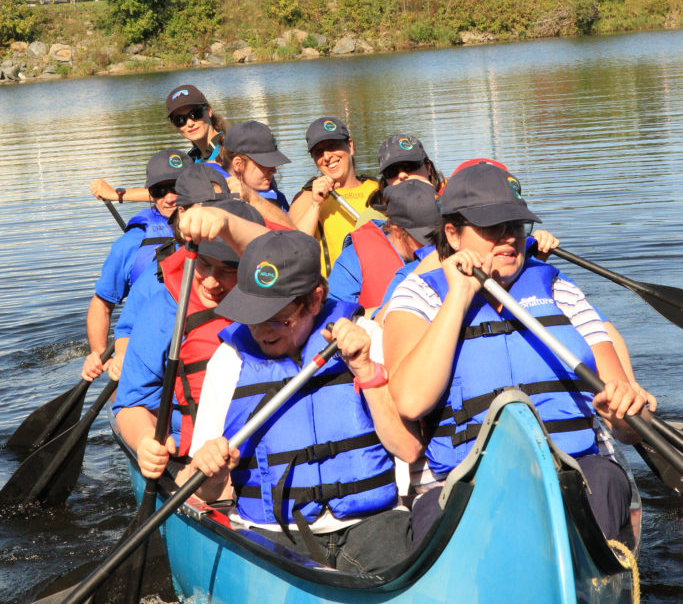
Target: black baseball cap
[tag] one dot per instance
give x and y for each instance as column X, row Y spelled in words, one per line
column 275, row 268
column 399, row 148
column 485, row 195
column 324, row 129
column 412, row 205
column 166, row 165
column 256, row 141
column 183, row 96
column 195, row 185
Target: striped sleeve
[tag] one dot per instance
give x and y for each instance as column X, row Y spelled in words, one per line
column 413, row 295
column 572, row 302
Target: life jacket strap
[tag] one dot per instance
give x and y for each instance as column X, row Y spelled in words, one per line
column 155, row 241
column 494, row 328
column 199, row 318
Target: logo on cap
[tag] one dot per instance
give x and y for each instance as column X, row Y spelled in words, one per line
column 329, row 125
column 515, row 186
column 405, row 144
column 175, row 161
column 265, row 274
column 182, row 92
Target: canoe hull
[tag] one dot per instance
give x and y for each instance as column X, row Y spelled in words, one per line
column 506, row 537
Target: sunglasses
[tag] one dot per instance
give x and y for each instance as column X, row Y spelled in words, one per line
column 194, row 114
column 159, row 191
column 403, row 166
column 285, row 323
column 517, row 228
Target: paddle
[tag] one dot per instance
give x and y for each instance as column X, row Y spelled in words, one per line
column 54, row 417
column 345, row 204
column 666, row 300
column 49, row 474
column 148, row 503
column 82, row 591
column 115, row 214
column 652, row 438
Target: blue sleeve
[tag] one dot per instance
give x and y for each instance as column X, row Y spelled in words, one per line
column 146, row 286
column 114, row 282
column 142, row 374
column 345, row 278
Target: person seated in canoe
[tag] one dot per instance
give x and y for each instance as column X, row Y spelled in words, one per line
column 140, row 387
column 197, row 181
column 376, row 250
column 131, row 253
column 318, row 476
column 403, row 157
column 194, row 119
column 441, row 320
column 249, row 158
column 314, row 210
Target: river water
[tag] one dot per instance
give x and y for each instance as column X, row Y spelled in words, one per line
column 592, row 127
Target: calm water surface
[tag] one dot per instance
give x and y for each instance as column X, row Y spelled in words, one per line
column 593, row 128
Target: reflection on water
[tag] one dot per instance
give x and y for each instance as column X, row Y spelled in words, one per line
column 591, row 126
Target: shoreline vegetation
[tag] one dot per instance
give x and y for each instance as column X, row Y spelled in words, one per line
column 47, row 39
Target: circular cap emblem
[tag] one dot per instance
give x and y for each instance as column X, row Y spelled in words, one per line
column 329, row 125
column 265, row 274
column 175, row 161
column 515, row 186
column 405, row 144
column 181, row 92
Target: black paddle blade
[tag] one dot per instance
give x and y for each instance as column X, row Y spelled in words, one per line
column 51, row 419
column 49, row 474
column 666, row 300
column 662, row 468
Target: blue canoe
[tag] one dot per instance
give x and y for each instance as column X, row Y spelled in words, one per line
column 516, row 527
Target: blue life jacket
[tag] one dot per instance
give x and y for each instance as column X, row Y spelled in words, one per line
column 157, row 232
column 319, row 449
column 272, row 194
column 497, row 351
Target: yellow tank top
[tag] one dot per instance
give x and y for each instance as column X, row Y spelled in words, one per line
column 337, row 223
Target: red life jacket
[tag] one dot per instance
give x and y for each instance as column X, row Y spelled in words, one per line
column 201, row 340
column 378, row 263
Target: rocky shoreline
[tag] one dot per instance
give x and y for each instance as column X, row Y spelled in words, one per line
column 37, row 61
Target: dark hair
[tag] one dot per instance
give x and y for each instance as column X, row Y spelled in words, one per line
column 225, row 158
column 219, row 124
column 438, row 237
column 435, row 177
column 307, row 299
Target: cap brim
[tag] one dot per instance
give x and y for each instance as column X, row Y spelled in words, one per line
column 421, row 233
column 489, row 215
column 332, row 136
column 250, row 309
column 418, row 156
column 272, row 159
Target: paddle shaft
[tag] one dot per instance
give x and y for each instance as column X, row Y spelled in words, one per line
column 67, row 406
column 637, row 423
column 115, row 214
column 83, row 591
column 148, row 503
column 345, row 204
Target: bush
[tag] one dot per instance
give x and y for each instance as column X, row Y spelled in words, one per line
column 286, row 12
column 17, row 21
column 136, row 20
column 191, row 23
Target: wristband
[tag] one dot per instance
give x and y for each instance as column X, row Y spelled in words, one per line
column 120, row 192
column 379, row 379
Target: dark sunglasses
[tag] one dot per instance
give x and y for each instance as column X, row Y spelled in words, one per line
column 159, row 191
column 404, row 166
column 194, row 114
column 517, row 228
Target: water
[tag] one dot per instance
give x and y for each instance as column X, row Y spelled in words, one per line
column 592, row 127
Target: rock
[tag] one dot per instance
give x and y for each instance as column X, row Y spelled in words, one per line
column 22, row 76
column 37, row 49
column 195, row 62
column 18, row 46
column 145, row 59
column 344, row 46
column 320, row 40
column 61, row 52
column 295, row 35
column 117, row 68
column 214, row 59
column 50, row 69
column 11, row 72
column 363, row 46
column 217, row 48
column 251, row 58
column 133, row 49
column 49, row 76
column 240, row 44
column 241, row 54
column 309, row 53
column 476, row 37
column 280, row 42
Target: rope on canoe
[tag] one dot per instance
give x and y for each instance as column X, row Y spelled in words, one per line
column 629, row 562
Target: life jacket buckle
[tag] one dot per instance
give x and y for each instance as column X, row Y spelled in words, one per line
column 321, row 451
